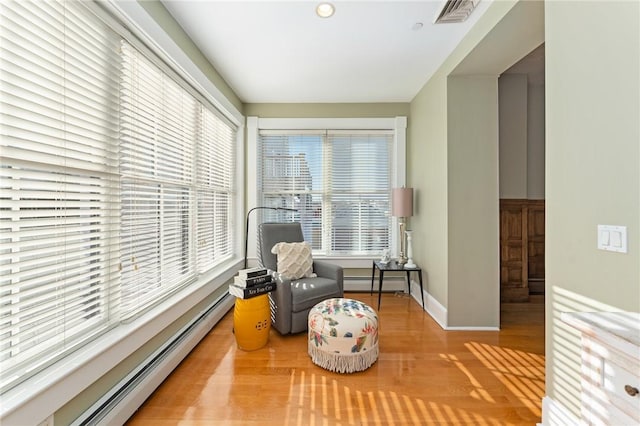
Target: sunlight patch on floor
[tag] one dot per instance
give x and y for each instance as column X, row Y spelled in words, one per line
column 322, row 400
column 522, row 373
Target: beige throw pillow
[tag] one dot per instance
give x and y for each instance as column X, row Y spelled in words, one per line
column 294, row 260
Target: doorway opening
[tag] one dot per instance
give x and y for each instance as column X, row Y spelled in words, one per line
column 522, row 187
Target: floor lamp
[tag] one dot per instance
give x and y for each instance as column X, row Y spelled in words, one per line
column 402, row 207
column 246, row 229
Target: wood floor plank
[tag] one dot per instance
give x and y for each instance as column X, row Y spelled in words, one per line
column 424, row 376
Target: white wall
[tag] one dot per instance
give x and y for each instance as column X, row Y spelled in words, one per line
column 513, row 135
column 535, row 141
column 521, row 137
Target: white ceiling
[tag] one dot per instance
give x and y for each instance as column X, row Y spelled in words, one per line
column 280, row 51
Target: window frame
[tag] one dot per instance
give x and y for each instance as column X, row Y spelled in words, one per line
column 398, row 166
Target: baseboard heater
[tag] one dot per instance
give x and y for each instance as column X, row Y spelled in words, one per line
column 122, row 401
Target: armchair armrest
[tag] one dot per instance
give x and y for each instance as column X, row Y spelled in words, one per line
column 329, row 270
column 281, row 302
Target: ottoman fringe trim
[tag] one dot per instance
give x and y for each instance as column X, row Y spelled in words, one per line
column 343, row 363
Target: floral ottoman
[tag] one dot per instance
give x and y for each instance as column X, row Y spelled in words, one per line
column 343, row 335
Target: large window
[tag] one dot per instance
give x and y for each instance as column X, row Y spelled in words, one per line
column 337, row 179
column 176, row 160
column 116, row 182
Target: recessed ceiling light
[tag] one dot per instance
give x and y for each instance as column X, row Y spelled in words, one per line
column 417, row 26
column 325, row 10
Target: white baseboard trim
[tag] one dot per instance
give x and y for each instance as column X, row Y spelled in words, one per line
column 432, row 306
column 439, row 312
column 465, row 328
column 556, row 414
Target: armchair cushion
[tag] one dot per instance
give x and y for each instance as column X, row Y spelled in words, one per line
column 305, row 292
column 294, row 260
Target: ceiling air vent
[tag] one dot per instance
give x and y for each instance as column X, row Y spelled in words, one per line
column 456, row 11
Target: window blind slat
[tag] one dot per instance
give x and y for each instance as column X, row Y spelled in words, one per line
column 214, row 187
column 43, row 251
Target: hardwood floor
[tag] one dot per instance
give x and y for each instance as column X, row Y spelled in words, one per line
column 423, row 376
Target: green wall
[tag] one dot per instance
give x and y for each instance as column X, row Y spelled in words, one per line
column 427, row 146
column 472, row 201
column 592, row 172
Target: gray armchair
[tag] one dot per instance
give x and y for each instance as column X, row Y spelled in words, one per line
column 292, row 300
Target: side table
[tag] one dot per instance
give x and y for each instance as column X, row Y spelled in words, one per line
column 393, row 266
column 252, row 322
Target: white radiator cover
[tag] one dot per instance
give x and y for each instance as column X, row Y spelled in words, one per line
column 119, row 404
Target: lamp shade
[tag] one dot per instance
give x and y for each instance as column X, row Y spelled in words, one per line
column 402, row 202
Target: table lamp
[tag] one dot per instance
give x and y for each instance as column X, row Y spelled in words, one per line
column 402, row 207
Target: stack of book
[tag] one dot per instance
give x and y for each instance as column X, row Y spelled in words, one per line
column 251, row 282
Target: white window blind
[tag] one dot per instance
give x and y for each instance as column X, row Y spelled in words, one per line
column 158, row 132
column 215, row 154
column 177, row 158
column 339, row 181
column 59, row 201
column 360, row 181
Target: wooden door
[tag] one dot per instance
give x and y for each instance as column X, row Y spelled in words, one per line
column 535, row 243
column 513, row 251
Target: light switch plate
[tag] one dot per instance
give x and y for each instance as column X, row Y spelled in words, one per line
column 612, row 238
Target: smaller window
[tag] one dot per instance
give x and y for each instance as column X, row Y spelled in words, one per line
column 339, row 181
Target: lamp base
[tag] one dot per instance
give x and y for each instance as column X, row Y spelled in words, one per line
column 402, row 258
column 410, row 263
